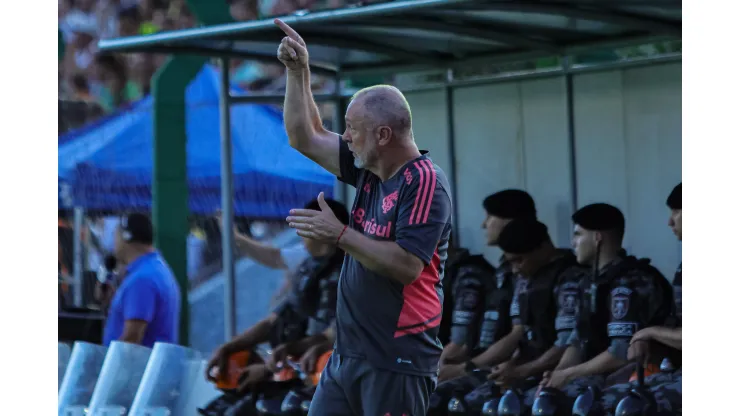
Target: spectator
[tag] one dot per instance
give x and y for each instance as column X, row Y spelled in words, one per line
column 243, row 10
column 142, row 71
column 75, row 14
column 146, row 306
column 186, row 20
column 97, row 85
column 114, row 89
column 80, row 88
column 81, row 34
column 107, row 12
column 129, row 21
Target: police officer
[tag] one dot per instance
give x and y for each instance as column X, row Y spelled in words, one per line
column 482, row 298
column 665, row 385
column 300, row 326
column 623, row 295
column 543, row 313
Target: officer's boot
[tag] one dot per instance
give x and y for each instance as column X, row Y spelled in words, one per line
column 305, row 406
column 269, row 406
column 588, row 403
column 219, row 405
column 457, row 406
column 490, row 408
column 510, row 404
column 550, row 402
column 243, row 407
column 297, row 401
column 438, row 402
column 666, row 366
column 637, row 403
column 639, row 400
column 474, row 402
column 291, row 405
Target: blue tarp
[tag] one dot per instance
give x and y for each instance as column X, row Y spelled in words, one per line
column 109, row 165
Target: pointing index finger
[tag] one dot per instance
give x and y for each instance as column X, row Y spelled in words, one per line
column 289, row 31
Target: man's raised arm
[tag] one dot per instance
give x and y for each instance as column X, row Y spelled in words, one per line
column 301, row 115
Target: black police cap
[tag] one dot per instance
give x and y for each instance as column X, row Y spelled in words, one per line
column 509, row 204
column 137, row 228
column 674, row 199
column 599, row 217
column 522, row 235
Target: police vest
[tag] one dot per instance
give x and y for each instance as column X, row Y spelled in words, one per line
column 312, row 305
column 538, row 305
column 674, row 321
column 450, row 285
column 327, row 306
column 496, row 322
column 471, row 275
column 616, row 282
column 677, row 298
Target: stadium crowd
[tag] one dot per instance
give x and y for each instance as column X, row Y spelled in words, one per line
column 92, row 84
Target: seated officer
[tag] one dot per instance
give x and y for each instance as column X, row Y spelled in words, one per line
column 300, row 326
column 536, row 340
column 665, row 385
column 481, row 301
column 623, row 295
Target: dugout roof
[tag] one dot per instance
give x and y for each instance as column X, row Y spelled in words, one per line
column 412, row 35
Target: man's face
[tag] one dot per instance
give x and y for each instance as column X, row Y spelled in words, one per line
column 361, row 140
column 493, row 226
column 241, row 12
column 82, row 39
column 525, row 265
column 121, row 246
column 128, row 27
column 584, row 245
column 313, row 247
column 675, row 222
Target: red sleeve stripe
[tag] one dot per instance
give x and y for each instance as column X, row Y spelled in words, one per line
column 418, row 192
column 424, row 193
column 432, row 186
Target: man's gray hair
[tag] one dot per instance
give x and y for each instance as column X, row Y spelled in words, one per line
column 387, row 106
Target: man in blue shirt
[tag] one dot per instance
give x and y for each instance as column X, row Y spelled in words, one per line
column 146, row 306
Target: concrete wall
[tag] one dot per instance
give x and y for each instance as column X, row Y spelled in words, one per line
column 515, row 134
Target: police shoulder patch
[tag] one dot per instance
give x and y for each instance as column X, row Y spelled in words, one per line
column 620, row 302
column 469, row 299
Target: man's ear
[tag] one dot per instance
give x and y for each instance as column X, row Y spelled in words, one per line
column 598, row 237
column 384, row 134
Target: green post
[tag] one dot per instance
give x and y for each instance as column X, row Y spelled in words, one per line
column 169, row 183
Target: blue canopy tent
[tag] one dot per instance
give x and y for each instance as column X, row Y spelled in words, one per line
column 109, row 164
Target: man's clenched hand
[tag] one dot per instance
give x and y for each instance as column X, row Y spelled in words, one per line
column 292, row 51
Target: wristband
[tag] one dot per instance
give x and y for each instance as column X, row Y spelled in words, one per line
column 341, row 234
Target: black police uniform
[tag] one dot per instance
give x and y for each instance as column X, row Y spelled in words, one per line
column 627, row 295
column 547, row 306
column 664, row 386
column 308, row 310
column 310, row 307
column 482, row 300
